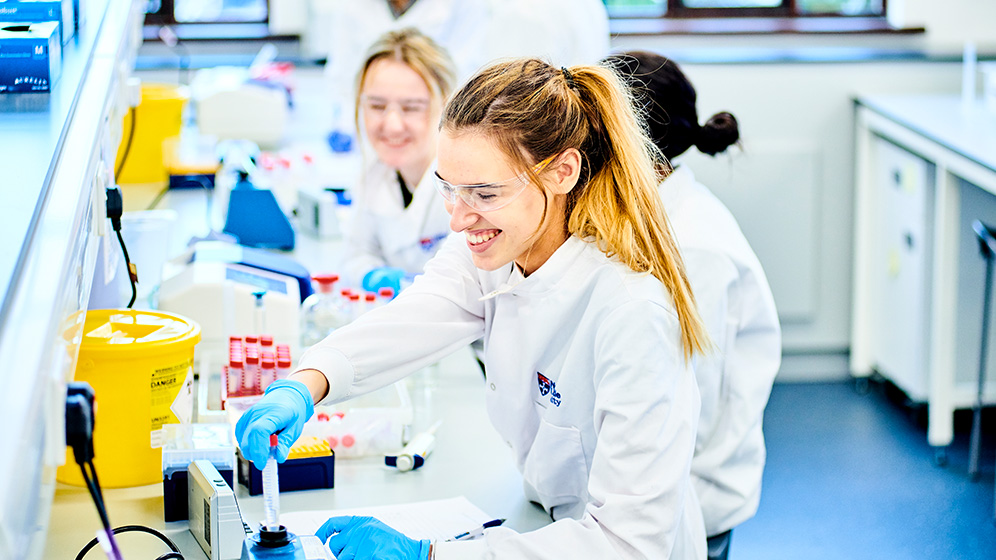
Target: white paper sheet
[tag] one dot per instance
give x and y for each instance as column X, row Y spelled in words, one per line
column 435, row 520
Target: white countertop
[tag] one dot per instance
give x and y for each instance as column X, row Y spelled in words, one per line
column 469, row 459
column 968, row 130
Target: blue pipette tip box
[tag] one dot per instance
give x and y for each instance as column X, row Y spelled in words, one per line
column 306, row 473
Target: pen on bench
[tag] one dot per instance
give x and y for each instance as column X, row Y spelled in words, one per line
column 478, row 531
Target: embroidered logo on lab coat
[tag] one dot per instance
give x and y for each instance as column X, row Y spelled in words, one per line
column 547, row 387
column 429, row 243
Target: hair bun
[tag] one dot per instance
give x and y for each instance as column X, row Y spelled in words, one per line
column 718, row 133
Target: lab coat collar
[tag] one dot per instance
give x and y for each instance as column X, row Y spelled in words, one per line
column 381, row 192
column 680, row 178
column 547, row 276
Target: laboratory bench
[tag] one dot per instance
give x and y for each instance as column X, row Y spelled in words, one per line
column 469, row 459
column 925, row 170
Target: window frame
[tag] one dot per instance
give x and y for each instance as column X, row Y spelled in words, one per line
column 166, row 16
column 676, row 9
column 674, row 18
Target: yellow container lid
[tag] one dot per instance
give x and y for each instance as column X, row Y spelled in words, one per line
column 125, row 333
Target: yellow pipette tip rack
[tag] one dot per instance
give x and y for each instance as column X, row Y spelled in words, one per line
column 309, row 446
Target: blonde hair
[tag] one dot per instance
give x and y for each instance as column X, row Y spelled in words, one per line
column 534, row 111
column 417, row 51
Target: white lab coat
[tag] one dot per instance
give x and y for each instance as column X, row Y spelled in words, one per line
column 562, row 32
column 350, row 28
column 474, row 32
column 586, row 382
column 735, row 379
column 383, row 232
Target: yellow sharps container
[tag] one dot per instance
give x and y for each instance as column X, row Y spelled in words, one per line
column 140, row 365
column 159, row 116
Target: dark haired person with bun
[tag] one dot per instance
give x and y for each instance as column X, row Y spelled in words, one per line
column 731, row 292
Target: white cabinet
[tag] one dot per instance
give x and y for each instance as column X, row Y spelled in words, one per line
column 903, row 185
column 925, row 168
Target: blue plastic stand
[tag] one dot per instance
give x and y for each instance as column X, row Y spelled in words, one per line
column 255, row 218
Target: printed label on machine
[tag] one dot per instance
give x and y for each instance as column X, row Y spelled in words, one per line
column 313, row 549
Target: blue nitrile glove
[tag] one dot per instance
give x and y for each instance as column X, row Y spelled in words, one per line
column 383, row 277
column 362, row 538
column 284, row 408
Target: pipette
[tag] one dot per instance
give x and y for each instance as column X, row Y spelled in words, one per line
column 414, row 454
column 271, row 488
column 259, row 313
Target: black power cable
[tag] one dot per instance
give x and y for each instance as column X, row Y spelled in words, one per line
column 115, row 207
column 127, row 148
column 173, row 553
column 80, row 423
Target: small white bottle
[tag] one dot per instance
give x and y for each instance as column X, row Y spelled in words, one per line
column 355, row 309
column 321, row 312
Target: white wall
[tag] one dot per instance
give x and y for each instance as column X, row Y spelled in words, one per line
column 949, row 23
column 792, row 186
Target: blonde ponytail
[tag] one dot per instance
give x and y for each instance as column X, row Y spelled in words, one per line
column 533, row 111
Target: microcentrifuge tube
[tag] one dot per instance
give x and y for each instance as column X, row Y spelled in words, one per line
column 271, row 487
column 233, row 376
column 267, row 370
column 251, row 371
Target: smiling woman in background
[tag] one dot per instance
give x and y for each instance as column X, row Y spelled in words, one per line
column 398, row 221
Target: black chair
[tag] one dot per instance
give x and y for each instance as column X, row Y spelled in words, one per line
column 987, row 245
column 718, row 546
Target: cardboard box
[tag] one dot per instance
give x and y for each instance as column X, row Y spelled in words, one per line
column 30, row 56
column 37, row 11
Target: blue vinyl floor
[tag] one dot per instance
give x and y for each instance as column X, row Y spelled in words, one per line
column 850, row 476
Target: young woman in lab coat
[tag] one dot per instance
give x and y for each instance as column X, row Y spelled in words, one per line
column 398, row 223
column 733, row 299
column 563, row 262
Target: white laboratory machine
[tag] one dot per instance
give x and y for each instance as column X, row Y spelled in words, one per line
column 215, row 520
column 220, row 297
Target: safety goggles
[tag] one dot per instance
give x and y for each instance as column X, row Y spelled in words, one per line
column 487, row 197
column 413, row 108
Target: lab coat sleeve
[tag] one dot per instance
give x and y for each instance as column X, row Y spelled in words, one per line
column 641, row 501
column 438, row 314
column 735, row 381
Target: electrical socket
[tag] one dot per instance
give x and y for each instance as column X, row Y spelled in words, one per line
column 134, row 87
